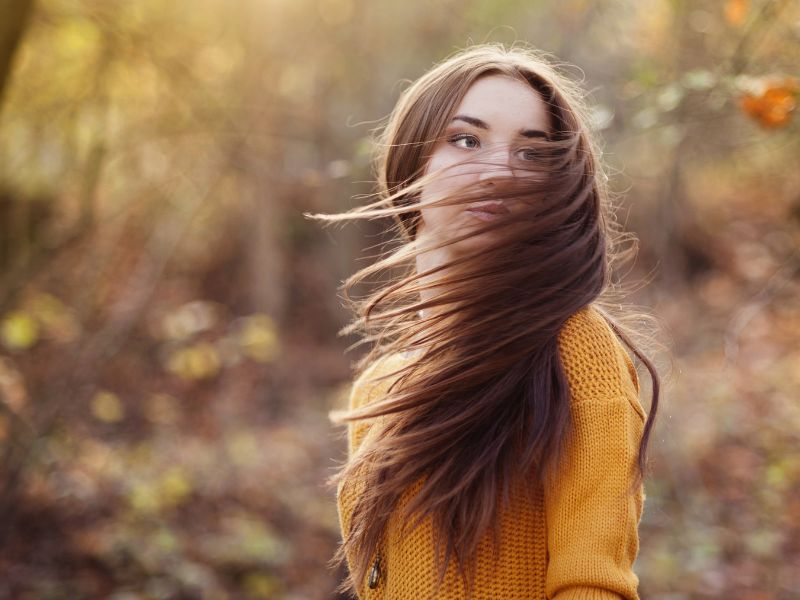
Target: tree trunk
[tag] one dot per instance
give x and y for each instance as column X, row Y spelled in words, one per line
column 13, row 23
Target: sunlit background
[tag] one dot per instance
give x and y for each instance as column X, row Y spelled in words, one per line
column 168, row 318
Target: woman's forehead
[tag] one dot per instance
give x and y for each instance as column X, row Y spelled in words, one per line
column 503, row 102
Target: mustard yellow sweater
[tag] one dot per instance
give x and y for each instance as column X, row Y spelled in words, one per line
column 579, row 539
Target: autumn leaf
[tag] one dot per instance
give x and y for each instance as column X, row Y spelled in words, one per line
column 107, row 407
column 198, row 361
column 258, row 338
column 772, row 105
column 736, row 12
column 19, row 330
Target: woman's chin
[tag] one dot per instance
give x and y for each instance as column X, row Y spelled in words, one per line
column 476, row 240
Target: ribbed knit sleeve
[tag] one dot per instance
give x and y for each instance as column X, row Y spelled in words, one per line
column 592, row 519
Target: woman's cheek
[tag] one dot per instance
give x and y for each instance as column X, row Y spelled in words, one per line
column 432, row 219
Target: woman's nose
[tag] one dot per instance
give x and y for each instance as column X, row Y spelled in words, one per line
column 495, row 163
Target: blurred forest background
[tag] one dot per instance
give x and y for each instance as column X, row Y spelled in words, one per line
column 168, row 318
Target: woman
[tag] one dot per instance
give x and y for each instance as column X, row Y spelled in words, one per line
column 497, row 445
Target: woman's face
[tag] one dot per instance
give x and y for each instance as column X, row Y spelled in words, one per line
column 485, row 139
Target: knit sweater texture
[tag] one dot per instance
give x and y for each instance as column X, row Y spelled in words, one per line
column 578, row 538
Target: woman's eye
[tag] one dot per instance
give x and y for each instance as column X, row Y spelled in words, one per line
column 528, row 154
column 470, row 141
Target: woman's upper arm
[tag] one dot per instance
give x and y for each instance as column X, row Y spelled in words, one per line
column 592, row 515
column 592, row 518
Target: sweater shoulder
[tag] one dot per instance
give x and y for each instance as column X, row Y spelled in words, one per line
column 596, row 363
column 368, row 386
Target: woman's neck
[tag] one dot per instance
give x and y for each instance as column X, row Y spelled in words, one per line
column 426, row 261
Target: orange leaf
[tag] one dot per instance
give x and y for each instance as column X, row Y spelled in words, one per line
column 774, row 105
column 736, row 12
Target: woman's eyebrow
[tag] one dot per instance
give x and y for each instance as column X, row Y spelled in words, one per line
column 471, row 120
column 528, row 133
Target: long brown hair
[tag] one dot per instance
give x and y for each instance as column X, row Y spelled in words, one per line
column 483, row 396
